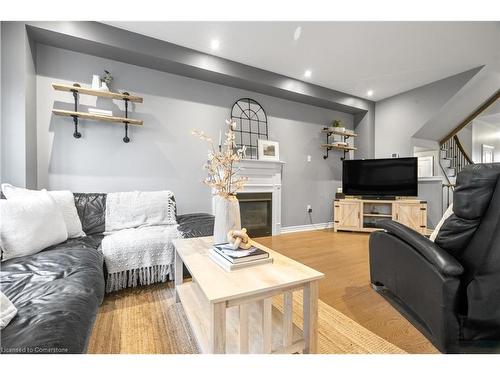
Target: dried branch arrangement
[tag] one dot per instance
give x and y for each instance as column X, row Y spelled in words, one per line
column 222, row 163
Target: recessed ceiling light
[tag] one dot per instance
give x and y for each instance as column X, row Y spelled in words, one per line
column 307, row 73
column 296, row 34
column 215, row 44
column 369, row 93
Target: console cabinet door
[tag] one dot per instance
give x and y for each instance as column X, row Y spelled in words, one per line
column 347, row 215
column 412, row 215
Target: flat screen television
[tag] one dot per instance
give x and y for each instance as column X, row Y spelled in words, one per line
column 381, row 177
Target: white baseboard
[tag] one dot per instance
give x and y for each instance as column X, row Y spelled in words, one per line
column 307, row 227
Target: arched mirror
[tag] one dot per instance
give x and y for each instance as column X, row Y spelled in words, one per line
column 251, row 125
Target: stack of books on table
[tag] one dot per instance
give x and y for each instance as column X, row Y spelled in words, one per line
column 230, row 260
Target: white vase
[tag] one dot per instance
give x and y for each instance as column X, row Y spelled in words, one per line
column 227, row 217
column 96, row 82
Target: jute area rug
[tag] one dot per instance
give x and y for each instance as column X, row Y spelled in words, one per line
column 147, row 320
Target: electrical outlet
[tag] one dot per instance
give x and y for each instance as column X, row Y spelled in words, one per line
column 308, row 157
column 309, row 208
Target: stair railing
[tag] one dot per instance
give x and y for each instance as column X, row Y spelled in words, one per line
column 455, row 152
column 459, row 159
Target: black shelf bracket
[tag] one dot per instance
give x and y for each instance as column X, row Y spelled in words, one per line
column 327, row 142
column 76, row 133
column 345, row 151
column 126, row 139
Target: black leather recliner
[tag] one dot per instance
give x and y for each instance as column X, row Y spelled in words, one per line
column 449, row 289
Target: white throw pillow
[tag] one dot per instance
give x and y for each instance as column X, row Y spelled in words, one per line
column 446, row 215
column 29, row 225
column 63, row 198
column 7, row 311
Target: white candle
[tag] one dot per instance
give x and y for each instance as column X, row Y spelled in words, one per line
column 220, row 139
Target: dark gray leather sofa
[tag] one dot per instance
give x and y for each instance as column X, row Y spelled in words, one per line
column 448, row 289
column 58, row 291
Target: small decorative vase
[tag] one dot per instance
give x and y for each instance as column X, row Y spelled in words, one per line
column 227, row 217
column 96, row 82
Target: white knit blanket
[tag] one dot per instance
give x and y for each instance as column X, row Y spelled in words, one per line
column 140, row 227
column 137, row 209
column 139, row 256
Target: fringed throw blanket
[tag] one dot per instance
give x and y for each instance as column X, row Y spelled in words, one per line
column 140, row 227
column 137, row 209
column 139, row 256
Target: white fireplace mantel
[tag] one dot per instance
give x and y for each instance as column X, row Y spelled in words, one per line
column 264, row 176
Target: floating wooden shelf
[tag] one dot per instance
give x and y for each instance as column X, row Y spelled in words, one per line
column 336, row 132
column 329, row 131
column 103, row 94
column 76, row 90
column 93, row 116
column 345, row 148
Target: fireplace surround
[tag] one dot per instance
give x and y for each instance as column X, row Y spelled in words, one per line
column 264, row 176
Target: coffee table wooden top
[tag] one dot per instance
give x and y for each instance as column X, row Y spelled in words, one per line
column 219, row 285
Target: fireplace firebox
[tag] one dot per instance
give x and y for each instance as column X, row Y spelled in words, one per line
column 256, row 213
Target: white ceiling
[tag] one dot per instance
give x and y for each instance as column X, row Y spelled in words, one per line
column 353, row 57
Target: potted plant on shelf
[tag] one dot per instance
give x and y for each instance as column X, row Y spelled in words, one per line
column 337, row 125
column 223, row 179
column 106, row 81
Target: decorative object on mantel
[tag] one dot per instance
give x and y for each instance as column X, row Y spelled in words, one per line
column 106, row 81
column 342, row 144
column 251, row 120
column 221, row 167
column 268, row 150
column 239, row 239
column 96, row 82
column 76, row 89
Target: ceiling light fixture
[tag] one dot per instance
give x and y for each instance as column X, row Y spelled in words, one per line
column 307, row 73
column 369, row 93
column 215, row 44
column 297, row 32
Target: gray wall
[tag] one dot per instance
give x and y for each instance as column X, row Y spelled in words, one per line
column 1, row 153
column 163, row 154
column 471, row 96
column 431, row 191
column 399, row 117
column 487, row 134
column 365, row 128
column 465, row 137
column 18, row 115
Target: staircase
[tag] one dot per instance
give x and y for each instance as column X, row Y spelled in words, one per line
column 453, row 158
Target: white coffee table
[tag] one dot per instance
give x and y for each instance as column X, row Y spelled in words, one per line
column 232, row 312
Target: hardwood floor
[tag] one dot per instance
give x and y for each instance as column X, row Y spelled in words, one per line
column 343, row 258
column 147, row 320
